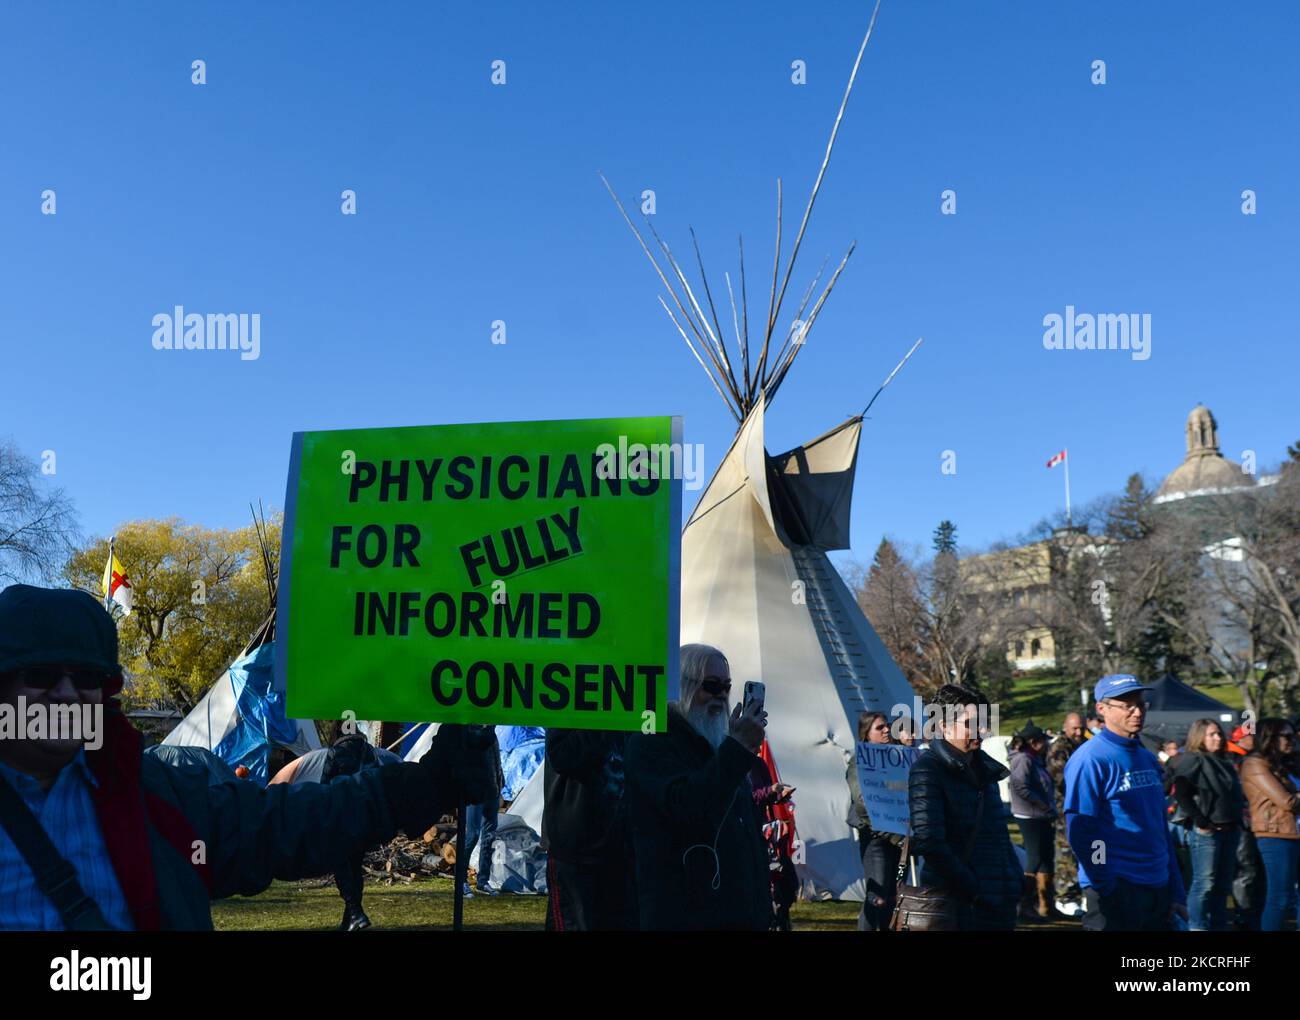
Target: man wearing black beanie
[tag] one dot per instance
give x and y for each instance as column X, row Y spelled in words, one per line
column 96, row 835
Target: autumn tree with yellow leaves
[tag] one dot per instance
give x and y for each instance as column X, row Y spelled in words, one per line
column 200, row 595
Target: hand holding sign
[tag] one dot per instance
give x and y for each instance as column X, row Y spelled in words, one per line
column 457, row 769
column 459, row 764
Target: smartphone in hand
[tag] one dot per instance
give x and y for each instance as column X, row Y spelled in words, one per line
column 755, row 695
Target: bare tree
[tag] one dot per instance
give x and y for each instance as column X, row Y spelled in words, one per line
column 1248, row 616
column 37, row 520
column 888, row 592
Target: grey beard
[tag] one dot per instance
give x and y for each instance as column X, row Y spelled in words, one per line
column 711, row 728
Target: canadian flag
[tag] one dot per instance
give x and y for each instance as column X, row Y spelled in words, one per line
column 1058, row 459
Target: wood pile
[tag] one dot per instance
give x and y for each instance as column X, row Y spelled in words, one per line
column 405, row 860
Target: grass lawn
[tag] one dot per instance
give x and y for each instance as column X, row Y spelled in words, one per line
column 1045, row 696
column 426, row 905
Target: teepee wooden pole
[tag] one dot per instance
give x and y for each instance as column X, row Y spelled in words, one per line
column 891, row 375
column 725, row 399
column 760, row 371
column 708, row 296
column 740, row 343
column 744, row 313
column 806, row 328
column 821, row 173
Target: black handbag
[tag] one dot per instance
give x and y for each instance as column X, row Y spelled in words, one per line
column 930, row 908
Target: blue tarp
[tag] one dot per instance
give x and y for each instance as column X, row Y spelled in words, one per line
column 262, row 721
column 522, row 751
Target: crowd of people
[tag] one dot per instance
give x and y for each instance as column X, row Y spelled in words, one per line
column 686, row 828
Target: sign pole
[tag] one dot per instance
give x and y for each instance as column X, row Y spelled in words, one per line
column 461, row 871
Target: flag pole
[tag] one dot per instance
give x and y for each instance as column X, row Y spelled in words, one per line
column 108, row 588
column 1069, row 520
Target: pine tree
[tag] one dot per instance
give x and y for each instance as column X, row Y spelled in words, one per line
column 1128, row 519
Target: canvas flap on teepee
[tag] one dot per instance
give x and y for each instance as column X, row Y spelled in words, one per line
column 743, row 470
column 813, row 487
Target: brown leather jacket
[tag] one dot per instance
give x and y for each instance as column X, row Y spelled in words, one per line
column 1273, row 801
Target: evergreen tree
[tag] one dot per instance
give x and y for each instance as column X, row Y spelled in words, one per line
column 945, row 538
column 1128, row 518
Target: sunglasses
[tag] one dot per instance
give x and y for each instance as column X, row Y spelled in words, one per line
column 1130, row 708
column 715, row 686
column 45, row 678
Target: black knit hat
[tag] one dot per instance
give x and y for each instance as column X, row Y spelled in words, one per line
column 1031, row 732
column 55, row 625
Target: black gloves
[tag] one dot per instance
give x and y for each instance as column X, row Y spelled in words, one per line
column 457, row 769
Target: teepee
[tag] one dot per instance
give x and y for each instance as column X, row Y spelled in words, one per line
column 241, row 717
column 756, row 580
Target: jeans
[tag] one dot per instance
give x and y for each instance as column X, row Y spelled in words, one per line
column 481, row 830
column 350, row 880
column 1280, row 859
column 1127, row 907
column 880, row 871
column 1214, row 860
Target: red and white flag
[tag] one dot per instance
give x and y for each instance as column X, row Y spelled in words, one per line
column 1058, row 459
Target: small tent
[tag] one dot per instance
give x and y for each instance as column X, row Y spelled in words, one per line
column 1174, row 706
column 522, row 750
column 241, row 718
column 310, row 767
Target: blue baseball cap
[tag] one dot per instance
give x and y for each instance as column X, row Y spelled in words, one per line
column 1117, row 684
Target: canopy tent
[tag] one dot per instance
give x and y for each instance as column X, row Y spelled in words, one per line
column 1174, row 706
column 241, row 718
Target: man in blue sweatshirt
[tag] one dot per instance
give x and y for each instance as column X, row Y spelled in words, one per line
column 1115, row 818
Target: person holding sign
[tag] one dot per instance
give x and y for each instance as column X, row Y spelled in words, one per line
column 100, row 836
column 957, row 821
column 701, row 863
column 880, row 850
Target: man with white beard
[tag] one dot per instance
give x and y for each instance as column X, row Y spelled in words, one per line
column 697, row 839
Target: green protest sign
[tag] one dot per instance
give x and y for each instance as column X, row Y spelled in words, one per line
column 513, row 572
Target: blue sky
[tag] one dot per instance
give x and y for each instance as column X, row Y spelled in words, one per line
column 479, row 202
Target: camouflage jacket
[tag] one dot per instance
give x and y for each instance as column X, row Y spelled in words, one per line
column 1058, row 753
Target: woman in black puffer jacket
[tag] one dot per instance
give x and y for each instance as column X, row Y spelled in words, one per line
column 944, row 793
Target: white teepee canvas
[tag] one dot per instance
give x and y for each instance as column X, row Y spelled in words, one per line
column 239, row 718
column 756, row 583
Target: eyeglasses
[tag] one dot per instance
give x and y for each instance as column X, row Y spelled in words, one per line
column 1129, row 707
column 45, row 678
column 715, row 686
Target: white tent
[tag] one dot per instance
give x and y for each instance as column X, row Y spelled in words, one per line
column 756, row 583
column 240, row 717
